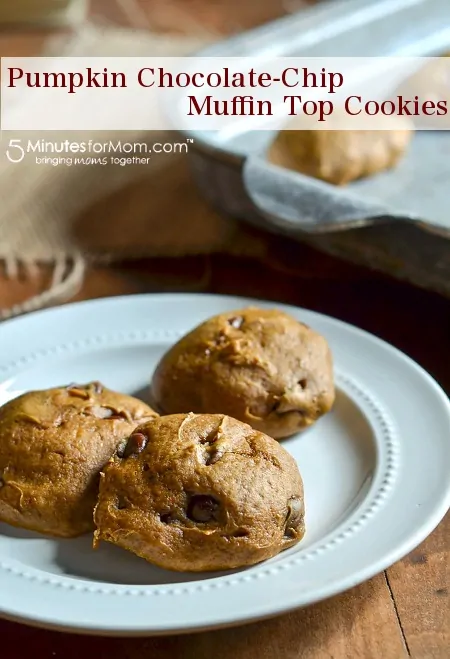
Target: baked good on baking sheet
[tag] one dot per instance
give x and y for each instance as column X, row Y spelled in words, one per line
column 341, row 156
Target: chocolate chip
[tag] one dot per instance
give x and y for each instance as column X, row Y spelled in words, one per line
column 166, row 518
column 2, row 482
column 202, row 508
column 135, row 445
column 98, row 387
column 294, row 517
column 303, row 383
column 236, row 322
column 121, row 503
column 241, row 533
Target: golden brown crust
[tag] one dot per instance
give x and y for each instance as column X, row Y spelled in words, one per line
column 201, row 492
column 53, row 444
column 340, row 156
column 260, row 366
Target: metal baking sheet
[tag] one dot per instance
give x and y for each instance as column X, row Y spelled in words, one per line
column 397, row 221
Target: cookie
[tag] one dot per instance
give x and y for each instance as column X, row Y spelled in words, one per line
column 341, row 156
column 201, row 492
column 53, row 444
column 260, row 366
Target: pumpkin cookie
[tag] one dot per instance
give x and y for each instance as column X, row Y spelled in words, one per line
column 53, row 444
column 342, row 156
column 260, row 366
column 200, row 492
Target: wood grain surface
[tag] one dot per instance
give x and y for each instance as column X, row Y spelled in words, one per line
column 402, row 612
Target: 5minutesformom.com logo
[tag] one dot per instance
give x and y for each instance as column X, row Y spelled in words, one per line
column 90, row 152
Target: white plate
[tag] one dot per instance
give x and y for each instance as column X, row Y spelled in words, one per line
column 375, row 471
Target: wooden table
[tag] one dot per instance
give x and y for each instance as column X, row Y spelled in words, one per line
column 402, row 612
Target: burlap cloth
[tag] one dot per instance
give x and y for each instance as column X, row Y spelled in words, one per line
column 68, row 216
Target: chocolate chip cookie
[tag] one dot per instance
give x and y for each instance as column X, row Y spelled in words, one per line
column 195, row 492
column 341, row 156
column 53, row 444
column 260, row 366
